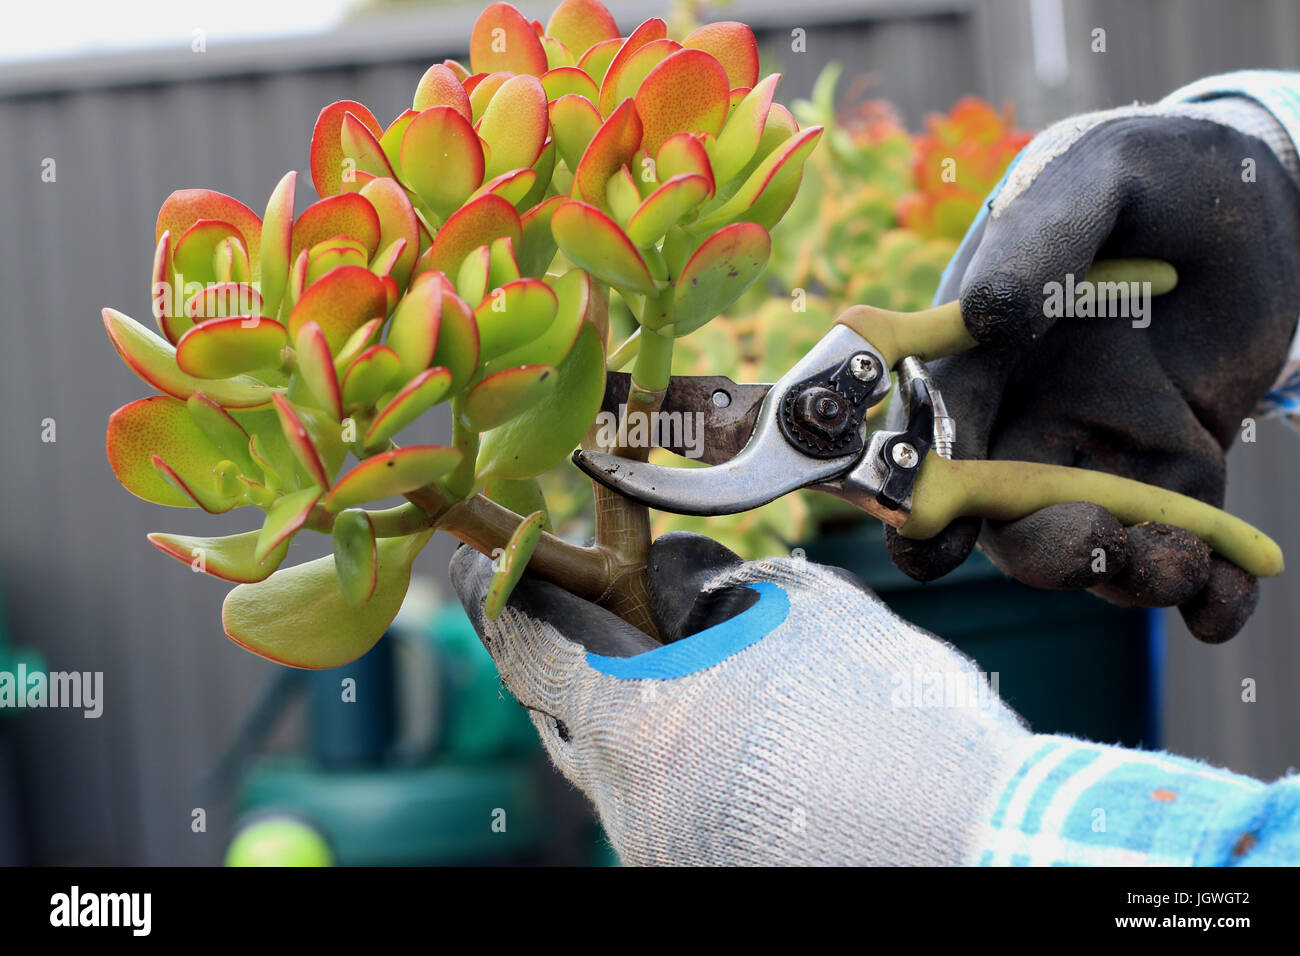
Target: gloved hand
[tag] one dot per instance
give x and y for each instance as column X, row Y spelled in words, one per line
column 790, row 719
column 1158, row 402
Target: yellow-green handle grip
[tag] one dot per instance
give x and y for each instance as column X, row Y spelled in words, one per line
column 934, row 333
column 1006, row 490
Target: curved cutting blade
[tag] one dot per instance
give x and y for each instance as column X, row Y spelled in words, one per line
column 765, row 469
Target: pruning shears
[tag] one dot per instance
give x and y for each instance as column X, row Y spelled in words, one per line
column 813, row 429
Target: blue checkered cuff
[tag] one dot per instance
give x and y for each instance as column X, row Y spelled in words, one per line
column 1073, row 803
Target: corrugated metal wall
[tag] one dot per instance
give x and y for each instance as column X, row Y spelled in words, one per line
column 80, row 581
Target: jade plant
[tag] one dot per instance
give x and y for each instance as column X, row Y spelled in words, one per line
column 463, row 257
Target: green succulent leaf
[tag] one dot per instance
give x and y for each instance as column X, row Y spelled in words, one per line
column 512, row 562
column 415, row 398
column 154, row 360
column 716, row 275
column 514, row 314
column 596, row 243
column 544, row 433
column 230, row 558
column 283, row 520
column 162, row 427
column 392, row 473
column 505, row 394
column 356, row 557
column 374, row 373
column 298, row 615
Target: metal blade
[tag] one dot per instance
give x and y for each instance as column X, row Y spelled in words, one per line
column 708, row 418
column 767, row 467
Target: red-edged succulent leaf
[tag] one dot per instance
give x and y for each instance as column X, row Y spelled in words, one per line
column 537, row 247
column 325, row 257
column 397, row 221
column 665, row 206
column 392, row 473
column 387, row 258
column 220, row 428
column 185, row 207
column 481, row 93
column 347, row 215
column 719, row 271
column 221, row 300
column 161, row 427
column 473, row 274
column 299, row 617
column 441, row 87
column 514, row 314
column 557, row 54
column 594, row 242
column 391, row 141
column 415, row 398
column 740, row 137
column 649, row 31
column 475, row 224
column 575, row 122
column 373, row 373
column 505, row 394
column 327, row 153
column 631, row 72
column 733, row 45
column 687, row 92
column 340, row 303
column 229, row 558
column 300, row 443
column 356, row 557
column 595, row 62
column 613, row 146
column 544, row 170
column 503, row 39
column 684, row 153
column 283, row 519
column 573, row 297
column 361, row 144
column 622, row 195
column 502, row 267
column 195, row 253
column 222, row 348
column 512, row 186
column 162, row 293
column 778, row 174
column 413, row 333
column 511, row 564
column 357, row 342
column 461, row 71
column 569, row 81
column 442, row 158
column 581, row 24
column 543, row 434
column 154, row 360
column 316, row 366
column 458, row 342
column 514, row 125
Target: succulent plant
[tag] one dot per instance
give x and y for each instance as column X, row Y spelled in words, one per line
column 428, row 274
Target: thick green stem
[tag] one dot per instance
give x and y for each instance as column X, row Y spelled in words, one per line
column 1006, row 490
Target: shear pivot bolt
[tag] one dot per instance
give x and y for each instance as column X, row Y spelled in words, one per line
column 863, row 367
column 904, row 455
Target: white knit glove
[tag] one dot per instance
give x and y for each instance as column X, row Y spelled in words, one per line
column 811, row 726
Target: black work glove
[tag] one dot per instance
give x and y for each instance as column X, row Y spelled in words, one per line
column 1159, row 403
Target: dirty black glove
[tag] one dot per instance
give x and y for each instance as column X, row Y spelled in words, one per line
column 1156, row 397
